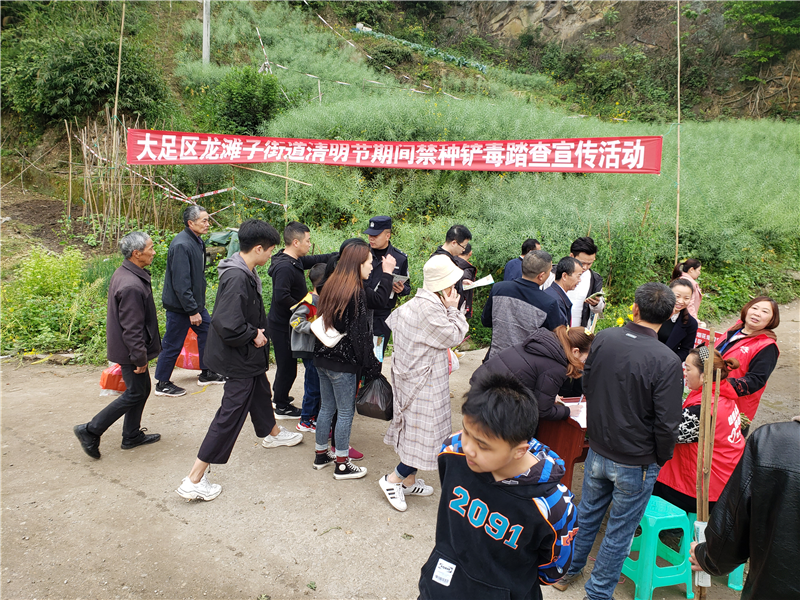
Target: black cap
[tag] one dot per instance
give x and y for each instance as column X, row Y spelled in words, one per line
column 378, row 224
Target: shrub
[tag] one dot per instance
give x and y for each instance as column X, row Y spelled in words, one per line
column 57, row 78
column 390, row 55
column 50, row 306
column 246, row 98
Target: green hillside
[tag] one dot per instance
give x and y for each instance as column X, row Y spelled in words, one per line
column 739, row 179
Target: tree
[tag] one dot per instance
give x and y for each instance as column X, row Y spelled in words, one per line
column 774, row 27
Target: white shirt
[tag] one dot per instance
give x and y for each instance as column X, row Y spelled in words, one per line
column 578, row 296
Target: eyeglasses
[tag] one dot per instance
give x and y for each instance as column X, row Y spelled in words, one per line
column 464, row 248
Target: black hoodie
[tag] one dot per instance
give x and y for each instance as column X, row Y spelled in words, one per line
column 499, row 539
column 289, row 286
column 541, row 364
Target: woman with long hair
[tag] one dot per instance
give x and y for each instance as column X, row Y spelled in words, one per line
column 753, row 343
column 680, row 330
column 690, row 270
column 677, row 480
column 342, row 307
column 424, row 329
column 543, row 363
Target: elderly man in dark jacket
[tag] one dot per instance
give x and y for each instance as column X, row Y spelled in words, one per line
column 132, row 340
column 238, row 348
column 184, row 298
column 758, row 517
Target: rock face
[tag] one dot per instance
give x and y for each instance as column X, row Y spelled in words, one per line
column 560, row 19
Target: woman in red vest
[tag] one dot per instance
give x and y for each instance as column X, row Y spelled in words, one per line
column 677, row 480
column 753, row 343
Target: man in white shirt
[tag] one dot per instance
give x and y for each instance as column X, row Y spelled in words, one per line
column 584, row 251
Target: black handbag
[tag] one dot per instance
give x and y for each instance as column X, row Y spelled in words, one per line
column 375, row 399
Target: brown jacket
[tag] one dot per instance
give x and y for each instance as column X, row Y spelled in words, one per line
column 132, row 336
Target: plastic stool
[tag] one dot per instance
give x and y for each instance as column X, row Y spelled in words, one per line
column 660, row 515
column 735, row 577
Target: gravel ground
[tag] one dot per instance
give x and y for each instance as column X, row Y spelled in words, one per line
column 73, row 527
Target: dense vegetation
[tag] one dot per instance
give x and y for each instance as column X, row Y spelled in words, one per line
column 738, row 178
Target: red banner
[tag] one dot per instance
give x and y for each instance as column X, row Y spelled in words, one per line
column 573, row 155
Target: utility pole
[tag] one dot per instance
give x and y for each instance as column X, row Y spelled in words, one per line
column 206, row 31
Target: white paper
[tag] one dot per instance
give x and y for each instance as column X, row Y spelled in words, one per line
column 488, row 280
column 444, row 572
column 400, row 278
column 377, row 347
column 581, row 417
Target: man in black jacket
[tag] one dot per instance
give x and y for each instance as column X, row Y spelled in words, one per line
column 288, row 288
column 455, row 243
column 380, row 234
column 568, row 274
column 759, row 509
column 633, row 385
column 184, row 298
column 132, row 340
column 238, row 348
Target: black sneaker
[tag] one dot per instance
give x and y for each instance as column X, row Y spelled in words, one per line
column 167, row 388
column 89, row 441
column 347, row 470
column 208, row 376
column 289, row 412
column 323, row 459
column 144, row 438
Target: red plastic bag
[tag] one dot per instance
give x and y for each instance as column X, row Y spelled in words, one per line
column 111, row 379
column 189, row 358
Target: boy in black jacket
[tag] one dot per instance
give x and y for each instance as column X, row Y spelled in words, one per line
column 505, row 522
column 288, row 288
column 238, row 349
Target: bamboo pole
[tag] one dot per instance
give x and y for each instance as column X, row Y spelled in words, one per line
column 678, row 203
column 119, row 58
column 286, row 196
column 705, row 442
column 272, row 174
column 69, row 198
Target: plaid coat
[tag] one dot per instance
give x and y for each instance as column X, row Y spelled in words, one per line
column 423, row 329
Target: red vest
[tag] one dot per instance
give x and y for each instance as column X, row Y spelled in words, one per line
column 744, row 350
column 680, row 472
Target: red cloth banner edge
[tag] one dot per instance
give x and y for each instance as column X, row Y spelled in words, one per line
column 629, row 154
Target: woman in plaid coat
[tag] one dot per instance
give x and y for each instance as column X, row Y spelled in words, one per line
column 423, row 330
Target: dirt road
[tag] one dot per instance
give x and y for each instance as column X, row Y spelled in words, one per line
column 73, row 527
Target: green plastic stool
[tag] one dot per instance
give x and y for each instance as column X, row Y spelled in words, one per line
column 660, row 515
column 735, row 577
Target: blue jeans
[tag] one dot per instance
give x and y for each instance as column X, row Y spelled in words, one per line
column 172, row 343
column 629, row 487
column 338, row 394
column 311, row 394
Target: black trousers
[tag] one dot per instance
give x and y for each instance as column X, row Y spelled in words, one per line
column 240, row 397
column 129, row 404
column 285, row 365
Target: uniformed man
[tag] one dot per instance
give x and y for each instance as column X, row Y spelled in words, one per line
column 380, row 234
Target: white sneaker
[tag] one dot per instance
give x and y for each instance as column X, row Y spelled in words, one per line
column 202, row 490
column 284, row 438
column 394, row 493
column 418, row 489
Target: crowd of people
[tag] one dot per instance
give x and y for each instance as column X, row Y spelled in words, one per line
column 505, row 521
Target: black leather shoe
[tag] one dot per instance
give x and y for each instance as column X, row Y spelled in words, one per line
column 145, row 438
column 89, row 441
